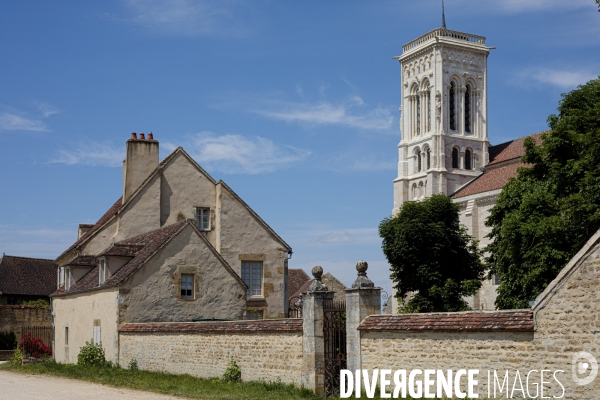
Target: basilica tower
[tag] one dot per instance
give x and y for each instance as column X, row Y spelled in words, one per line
column 443, row 123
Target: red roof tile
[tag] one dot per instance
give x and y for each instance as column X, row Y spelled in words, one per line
column 514, row 320
column 27, row 276
column 278, row 325
column 510, row 150
column 296, row 278
column 489, row 180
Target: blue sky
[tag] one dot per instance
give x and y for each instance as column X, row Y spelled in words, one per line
column 292, row 103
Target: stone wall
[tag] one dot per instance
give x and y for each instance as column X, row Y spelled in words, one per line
column 565, row 321
column 268, row 350
column 13, row 318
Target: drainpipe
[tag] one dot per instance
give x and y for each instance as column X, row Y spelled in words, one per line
column 52, row 316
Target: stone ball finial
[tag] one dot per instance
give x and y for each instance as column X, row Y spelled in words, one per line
column 317, row 272
column 362, row 267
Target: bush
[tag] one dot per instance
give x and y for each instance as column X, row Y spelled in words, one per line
column 133, row 365
column 92, row 355
column 17, row 357
column 41, row 303
column 8, row 341
column 233, row 373
column 33, row 347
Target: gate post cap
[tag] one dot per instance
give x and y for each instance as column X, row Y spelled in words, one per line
column 317, row 285
column 317, row 272
column 361, row 280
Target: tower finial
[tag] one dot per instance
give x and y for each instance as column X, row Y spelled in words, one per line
column 443, row 16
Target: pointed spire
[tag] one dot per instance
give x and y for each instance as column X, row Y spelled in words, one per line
column 443, row 16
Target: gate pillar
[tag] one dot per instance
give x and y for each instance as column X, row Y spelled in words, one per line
column 313, row 345
column 362, row 300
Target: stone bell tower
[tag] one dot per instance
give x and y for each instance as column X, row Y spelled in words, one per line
column 443, row 123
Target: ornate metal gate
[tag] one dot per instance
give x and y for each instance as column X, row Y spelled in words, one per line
column 334, row 332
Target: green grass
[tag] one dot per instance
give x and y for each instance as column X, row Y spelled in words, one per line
column 165, row 383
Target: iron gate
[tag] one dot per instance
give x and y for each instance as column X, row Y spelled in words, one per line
column 334, row 333
column 295, row 307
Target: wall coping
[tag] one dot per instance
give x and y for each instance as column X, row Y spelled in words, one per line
column 267, row 325
column 471, row 321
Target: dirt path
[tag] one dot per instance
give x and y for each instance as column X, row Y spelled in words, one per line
column 43, row 387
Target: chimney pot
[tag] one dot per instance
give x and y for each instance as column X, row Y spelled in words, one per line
column 150, row 136
column 133, row 135
column 142, row 137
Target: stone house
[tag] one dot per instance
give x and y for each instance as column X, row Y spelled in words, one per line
column 178, row 246
column 444, row 145
column 24, row 279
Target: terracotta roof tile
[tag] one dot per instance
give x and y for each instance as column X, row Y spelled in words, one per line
column 301, row 289
column 296, row 278
column 27, row 276
column 510, row 150
column 269, row 325
column 122, row 249
column 513, row 320
column 489, row 180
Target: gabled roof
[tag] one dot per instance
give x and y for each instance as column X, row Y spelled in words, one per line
column 296, row 278
column 119, row 205
column 141, row 248
column 505, row 160
column 27, row 276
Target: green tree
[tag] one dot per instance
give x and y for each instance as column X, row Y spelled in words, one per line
column 547, row 212
column 431, row 256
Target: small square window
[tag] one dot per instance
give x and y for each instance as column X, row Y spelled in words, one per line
column 254, row 314
column 252, row 276
column 203, row 218
column 187, row 286
column 496, row 279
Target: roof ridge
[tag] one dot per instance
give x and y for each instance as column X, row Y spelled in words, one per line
column 28, row 258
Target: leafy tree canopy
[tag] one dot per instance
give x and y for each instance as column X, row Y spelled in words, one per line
column 432, row 257
column 546, row 214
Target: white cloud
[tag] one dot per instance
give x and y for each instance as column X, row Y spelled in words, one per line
column 187, row 17
column 347, row 113
column 91, row 153
column 564, row 79
column 47, row 109
column 322, row 237
column 240, row 154
column 13, row 122
column 35, row 242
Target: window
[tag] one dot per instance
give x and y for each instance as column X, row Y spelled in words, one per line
column 252, row 276
column 452, row 107
column 103, row 268
column 455, row 158
column 66, row 335
column 428, row 158
column 428, row 111
column 203, row 218
column 254, row 314
column 187, row 286
column 468, row 158
column 419, row 162
column 468, row 109
column 496, row 279
column 97, row 334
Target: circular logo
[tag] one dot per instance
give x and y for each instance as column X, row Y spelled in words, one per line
column 584, row 364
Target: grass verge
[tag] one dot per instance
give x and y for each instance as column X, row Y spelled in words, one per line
column 165, row 383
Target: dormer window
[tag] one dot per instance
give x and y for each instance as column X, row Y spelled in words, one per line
column 103, row 270
column 203, row 218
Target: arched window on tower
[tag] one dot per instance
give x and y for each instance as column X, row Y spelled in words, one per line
column 468, row 109
column 455, row 158
column 452, row 107
column 428, row 159
column 468, row 160
column 419, row 162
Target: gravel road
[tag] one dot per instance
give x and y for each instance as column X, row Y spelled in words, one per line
column 15, row 386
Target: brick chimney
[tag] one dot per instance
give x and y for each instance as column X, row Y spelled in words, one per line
column 140, row 160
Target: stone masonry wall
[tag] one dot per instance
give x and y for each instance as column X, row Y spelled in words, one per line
column 12, row 318
column 269, row 350
column 567, row 321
